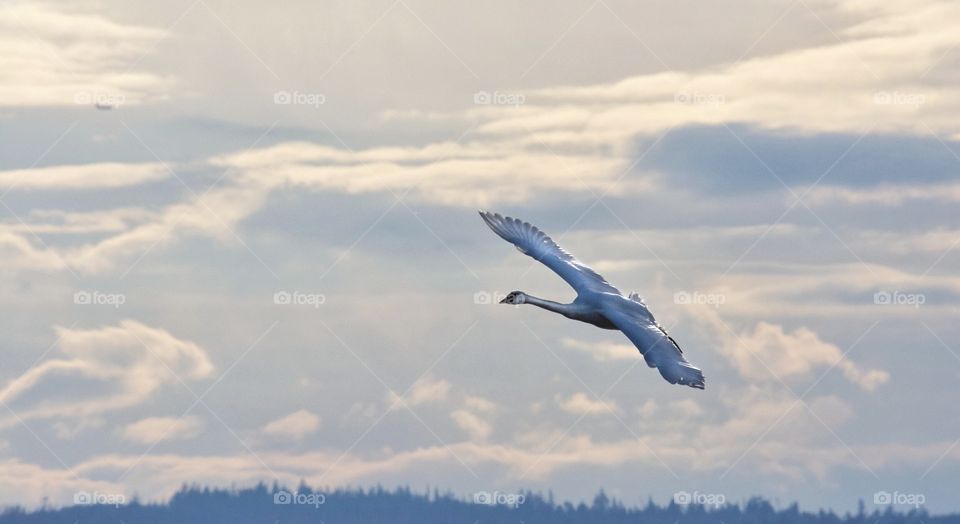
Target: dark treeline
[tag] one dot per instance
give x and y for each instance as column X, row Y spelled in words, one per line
column 264, row 505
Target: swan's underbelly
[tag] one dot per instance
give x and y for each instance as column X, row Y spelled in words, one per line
column 597, row 319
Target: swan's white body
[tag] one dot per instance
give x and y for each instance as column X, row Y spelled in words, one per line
column 597, row 302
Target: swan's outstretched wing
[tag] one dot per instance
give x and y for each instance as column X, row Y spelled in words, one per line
column 656, row 346
column 536, row 244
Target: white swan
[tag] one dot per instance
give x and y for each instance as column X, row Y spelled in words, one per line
column 597, row 302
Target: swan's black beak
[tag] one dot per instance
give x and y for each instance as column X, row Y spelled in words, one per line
column 504, row 301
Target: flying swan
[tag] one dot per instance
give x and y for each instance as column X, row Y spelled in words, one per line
column 597, row 302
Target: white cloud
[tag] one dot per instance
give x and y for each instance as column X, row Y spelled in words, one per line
column 444, row 173
column 603, row 351
column 20, row 253
column 473, row 425
column 874, row 73
column 155, row 429
column 56, row 57
column 471, row 175
column 580, row 403
column 648, row 408
column 128, row 363
column 686, row 408
column 215, row 215
column 26, row 484
column 768, row 353
column 471, row 419
column 162, row 474
column 295, row 426
column 135, row 231
column 83, row 176
column 427, row 390
column 936, row 241
column 68, row 223
column 891, row 195
column 479, row 404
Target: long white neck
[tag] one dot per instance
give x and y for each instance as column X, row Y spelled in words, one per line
column 567, row 310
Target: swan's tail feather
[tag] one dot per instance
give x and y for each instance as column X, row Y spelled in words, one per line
column 684, row 374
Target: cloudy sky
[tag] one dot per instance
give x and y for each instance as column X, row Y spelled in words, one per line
column 260, row 259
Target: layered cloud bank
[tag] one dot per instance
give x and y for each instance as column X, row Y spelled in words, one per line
column 56, row 57
column 787, row 215
column 129, row 363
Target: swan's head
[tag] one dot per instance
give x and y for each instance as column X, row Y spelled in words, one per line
column 514, row 297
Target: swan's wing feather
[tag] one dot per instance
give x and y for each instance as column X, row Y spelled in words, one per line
column 658, row 348
column 536, row 244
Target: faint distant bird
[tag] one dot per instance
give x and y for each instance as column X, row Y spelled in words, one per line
column 597, row 302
